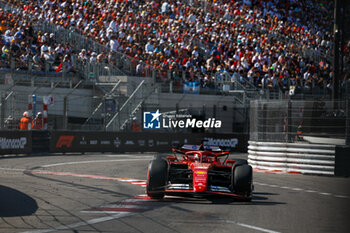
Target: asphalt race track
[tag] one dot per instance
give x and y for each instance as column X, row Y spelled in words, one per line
column 105, row 193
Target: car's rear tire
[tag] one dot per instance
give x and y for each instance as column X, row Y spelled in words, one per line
column 157, row 178
column 242, row 181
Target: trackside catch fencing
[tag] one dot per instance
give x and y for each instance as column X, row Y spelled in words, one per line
column 299, row 136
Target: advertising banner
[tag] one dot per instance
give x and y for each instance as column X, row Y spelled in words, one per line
column 15, row 142
column 120, row 142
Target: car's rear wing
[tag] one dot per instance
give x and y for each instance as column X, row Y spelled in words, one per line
column 187, row 147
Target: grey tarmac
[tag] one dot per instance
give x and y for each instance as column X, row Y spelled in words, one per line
column 105, row 193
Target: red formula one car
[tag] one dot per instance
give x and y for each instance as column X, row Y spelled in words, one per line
column 199, row 170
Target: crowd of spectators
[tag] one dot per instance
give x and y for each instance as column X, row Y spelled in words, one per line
column 308, row 22
column 169, row 36
column 23, row 47
column 20, row 44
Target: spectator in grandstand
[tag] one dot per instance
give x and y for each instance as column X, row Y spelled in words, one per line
column 234, row 33
column 101, row 58
column 38, row 62
column 140, row 69
column 93, row 58
column 83, row 56
column 66, row 65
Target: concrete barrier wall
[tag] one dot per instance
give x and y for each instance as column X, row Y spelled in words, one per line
column 292, row 157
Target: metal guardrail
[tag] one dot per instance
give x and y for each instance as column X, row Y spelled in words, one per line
column 292, row 157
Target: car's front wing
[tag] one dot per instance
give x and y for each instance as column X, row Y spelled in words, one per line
column 186, row 189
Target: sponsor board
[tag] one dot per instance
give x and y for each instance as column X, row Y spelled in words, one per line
column 64, row 140
column 155, row 120
column 15, row 142
column 139, row 141
column 228, row 142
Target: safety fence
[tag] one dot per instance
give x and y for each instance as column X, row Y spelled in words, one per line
column 299, row 136
column 291, row 120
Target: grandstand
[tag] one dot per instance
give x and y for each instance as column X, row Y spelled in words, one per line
column 139, row 55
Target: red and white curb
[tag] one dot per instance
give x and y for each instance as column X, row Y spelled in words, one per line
column 274, row 171
column 127, row 180
column 142, row 183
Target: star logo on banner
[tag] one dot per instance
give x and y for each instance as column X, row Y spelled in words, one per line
column 156, row 116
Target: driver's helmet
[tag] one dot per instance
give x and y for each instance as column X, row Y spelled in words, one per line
column 196, row 157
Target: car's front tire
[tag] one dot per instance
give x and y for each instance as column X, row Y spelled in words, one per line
column 157, row 178
column 242, row 181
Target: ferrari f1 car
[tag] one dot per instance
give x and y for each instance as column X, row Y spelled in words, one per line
column 199, row 170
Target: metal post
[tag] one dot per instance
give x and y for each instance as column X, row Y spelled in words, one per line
column 34, row 106
column 32, row 81
column 141, row 113
column 12, row 64
column 289, row 121
column 335, row 93
column 64, row 70
column 104, row 115
column 47, row 65
column 214, row 116
column 2, row 110
column 30, row 66
column 154, row 75
column 342, row 39
column 65, row 113
column 347, row 128
column 264, row 123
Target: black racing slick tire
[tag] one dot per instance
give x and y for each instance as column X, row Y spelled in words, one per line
column 242, row 181
column 157, row 178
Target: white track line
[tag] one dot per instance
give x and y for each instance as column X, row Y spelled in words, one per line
column 251, row 227
column 12, row 169
column 84, row 223
column 92, row 161
column 302, row 190
column 70, row 163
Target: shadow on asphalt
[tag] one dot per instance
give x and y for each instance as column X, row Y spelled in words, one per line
column 14, row 203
